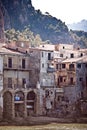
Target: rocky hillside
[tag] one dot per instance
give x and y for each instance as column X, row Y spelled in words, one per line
column 21, row 13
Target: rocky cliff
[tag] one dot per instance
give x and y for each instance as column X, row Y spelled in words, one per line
column 21, row 13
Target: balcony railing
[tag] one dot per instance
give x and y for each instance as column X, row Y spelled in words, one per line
column 59, row 90
column 51, row 69
column 71, row 69
column 16, row 67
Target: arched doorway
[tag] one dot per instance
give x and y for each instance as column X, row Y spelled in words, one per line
column 19, row 104
column 7, row 105
column 31, row 103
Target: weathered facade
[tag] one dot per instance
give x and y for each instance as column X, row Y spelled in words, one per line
column 17, row 97
column 42, row 81
column 82, row 83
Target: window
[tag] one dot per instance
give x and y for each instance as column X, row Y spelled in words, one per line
column 63, row 47
column 61, row 55
column 23, row 81
column 57, row 66
column 58, row 81
column 61, row 79
column 10, row 62
column 23, row 63
column 63, row 66
column 43, row 65
column 47, row 93
column 80, row 79
column 71, row 55
column 49, row 56
column 85, row 65
column 79, row 65
column 71, row 80
column 71, row 66
column 42, row 54
column 81, row 54
column 86, row 81
column 9, row 82
column 64, row 80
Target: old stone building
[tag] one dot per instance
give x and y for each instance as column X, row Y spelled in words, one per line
column 43, row 72
column 82, row 83
column 40, row 81
column 66, row 76
column 57, row 75
column 17, row 97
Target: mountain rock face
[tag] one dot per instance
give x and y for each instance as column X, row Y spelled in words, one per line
column 21, row 13
column 81, row 26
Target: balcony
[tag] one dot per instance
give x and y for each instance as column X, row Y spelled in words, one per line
column 51, row 68
column 16, row 67
column 59, row 90
column 71, row 69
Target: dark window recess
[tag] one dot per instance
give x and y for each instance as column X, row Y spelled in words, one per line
column 63, row 47
column 61, row 79
column 71, row 80
column 23, row 81
column 64, row 80
column 82, row 95
column 57, row 66
column 42, row 54
column 61, row 55
column 81, row 54
column 42, row 65
column 58, row 81
column 85, row 65
column 51, row 103
column 63, row 66
column 78, row 65
column 72, row 55
column 71, row 66
column 49, row 56
column 23, row 63
column 86, row 81
column 58, row 98
column 80, row 79
column 10, row 62
column 47, row 93
column 9, row 82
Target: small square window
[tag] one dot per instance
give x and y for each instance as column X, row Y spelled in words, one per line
column 71, row 80
column 9, row 82
column 72, row 55
column 61, row 55
column 78, row 65
column 80, row 79
column 42, row 65
column 63, row 66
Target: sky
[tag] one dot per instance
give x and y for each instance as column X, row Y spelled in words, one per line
column 69, row 11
